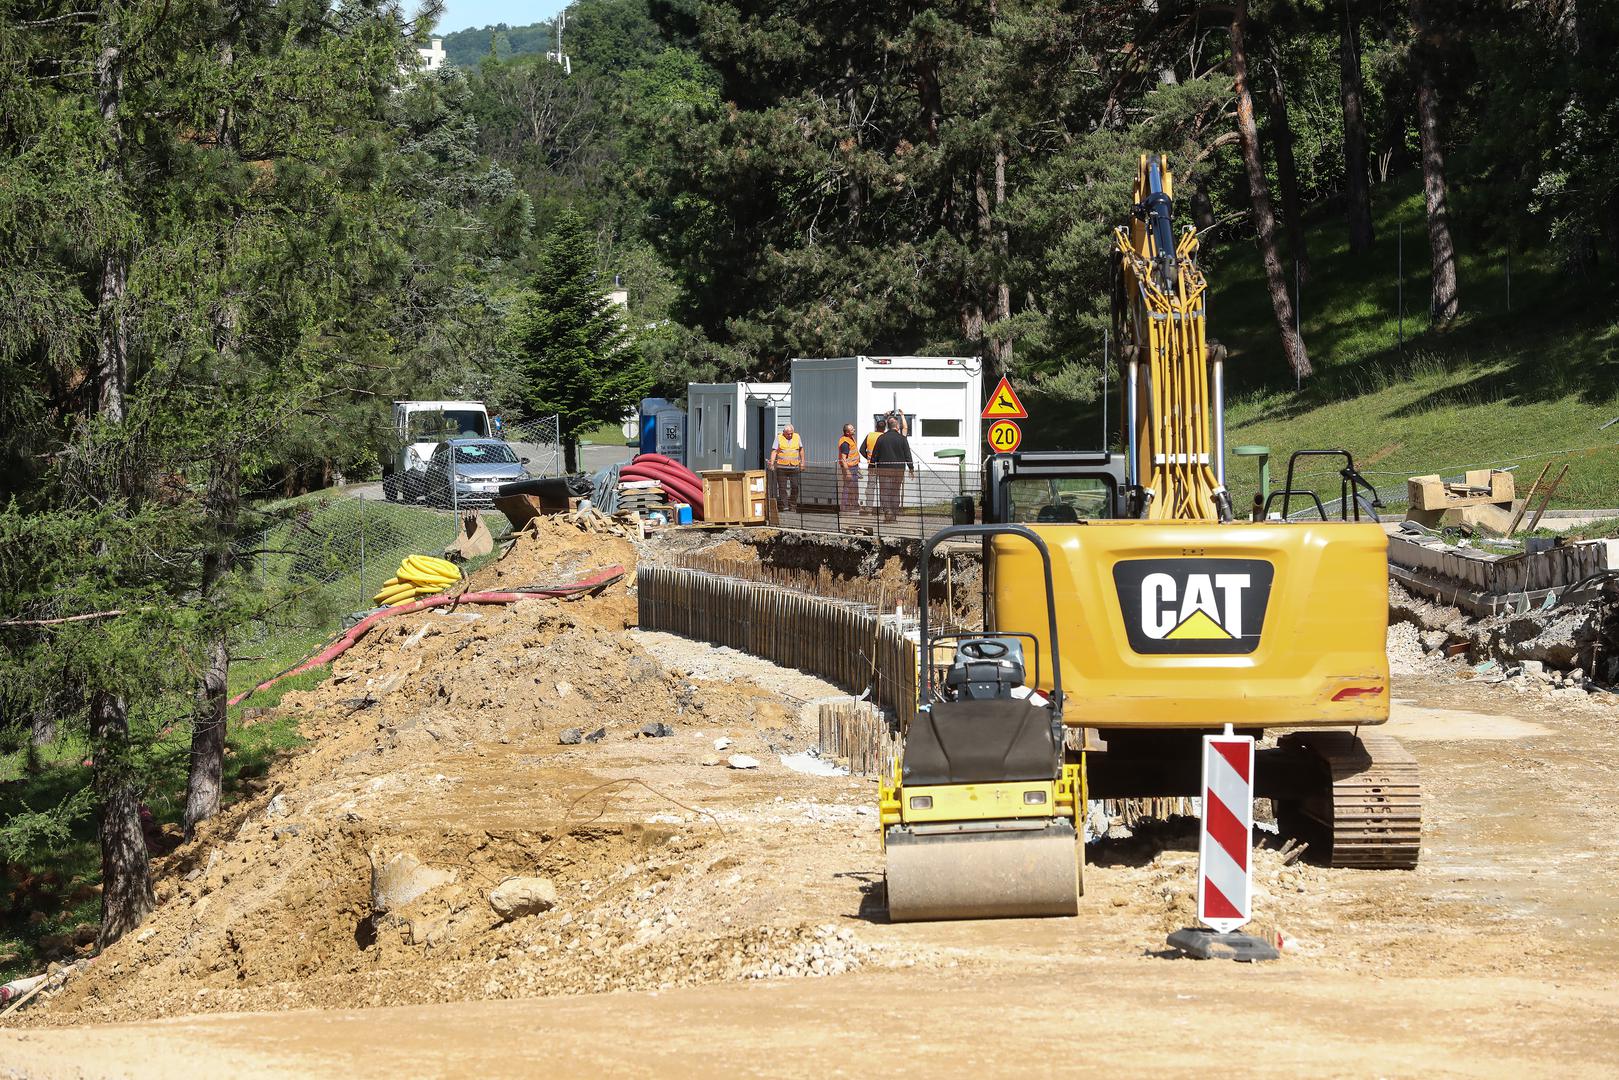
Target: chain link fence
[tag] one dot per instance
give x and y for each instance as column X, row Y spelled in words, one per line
column 538, row 442
column 325, row 555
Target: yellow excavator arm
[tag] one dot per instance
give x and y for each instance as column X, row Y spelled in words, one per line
column 1175, row 458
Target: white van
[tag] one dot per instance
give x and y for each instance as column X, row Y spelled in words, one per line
column 421, row 426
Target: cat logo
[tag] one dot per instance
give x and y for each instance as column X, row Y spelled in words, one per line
column 1193, row 605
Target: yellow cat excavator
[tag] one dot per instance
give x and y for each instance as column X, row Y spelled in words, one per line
column 1126, row 615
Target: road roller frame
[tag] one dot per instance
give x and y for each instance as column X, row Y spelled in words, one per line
column 981, row 815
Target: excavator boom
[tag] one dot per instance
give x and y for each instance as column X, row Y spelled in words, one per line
column 1177, row 461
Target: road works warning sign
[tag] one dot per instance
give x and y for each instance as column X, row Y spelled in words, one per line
column 1004, row 404
column 1224, row 880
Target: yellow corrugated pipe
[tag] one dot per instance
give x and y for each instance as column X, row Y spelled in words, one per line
column 418, row 576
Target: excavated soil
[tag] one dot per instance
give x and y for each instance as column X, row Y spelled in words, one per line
column 736, row 915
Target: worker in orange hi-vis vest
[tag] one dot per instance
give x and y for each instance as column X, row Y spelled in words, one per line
column 848, row 470
column 787, row 459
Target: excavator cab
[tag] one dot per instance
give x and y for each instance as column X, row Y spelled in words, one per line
column 980, row 814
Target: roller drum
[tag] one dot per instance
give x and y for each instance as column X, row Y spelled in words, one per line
column 989, row 870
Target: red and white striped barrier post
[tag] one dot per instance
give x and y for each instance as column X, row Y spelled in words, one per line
column 1225, row 843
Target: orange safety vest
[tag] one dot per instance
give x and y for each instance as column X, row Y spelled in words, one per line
column 848, row 453
column 871, row 442
column 789, row 452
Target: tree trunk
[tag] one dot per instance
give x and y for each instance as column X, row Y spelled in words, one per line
column 570, row 455
column 1357, row 169
column 1287, row 173
column 1000, row 345
column 1259, row 196
column 205, row 778
column 112, row 345
column 126, row 877
column 1446, row 299
column 1203, row 218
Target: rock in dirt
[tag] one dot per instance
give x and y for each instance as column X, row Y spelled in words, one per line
column 1534, row 669
column 276, row 806
column 571, row 736
column 519, row 896
column 399, row 878
column 742, row 761
column 711, row 759
column 597, row 736
column 722, row 743
column 656, row 730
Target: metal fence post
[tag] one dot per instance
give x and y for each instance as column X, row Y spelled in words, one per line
column 361, row 585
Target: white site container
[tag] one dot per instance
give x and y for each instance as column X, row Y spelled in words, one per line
column 733, row 424
column 941, row 397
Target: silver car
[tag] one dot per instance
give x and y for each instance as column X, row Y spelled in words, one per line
column 480, row 467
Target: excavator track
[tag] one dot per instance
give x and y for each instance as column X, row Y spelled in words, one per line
column 1371, row 809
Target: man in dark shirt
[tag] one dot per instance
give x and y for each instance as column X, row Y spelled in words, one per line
column 890, row 457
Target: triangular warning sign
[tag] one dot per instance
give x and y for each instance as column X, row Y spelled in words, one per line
column 1198, row 627
column 1004, row 404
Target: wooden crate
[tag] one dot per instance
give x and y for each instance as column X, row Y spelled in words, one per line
column 1480, row 486
column 735, row 498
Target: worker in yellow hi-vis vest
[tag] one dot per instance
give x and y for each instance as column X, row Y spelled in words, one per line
column 787, row 459
column 867, row 445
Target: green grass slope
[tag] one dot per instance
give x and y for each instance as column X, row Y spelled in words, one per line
column 1519, row 386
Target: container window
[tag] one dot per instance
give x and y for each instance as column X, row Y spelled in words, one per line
column 941, row 429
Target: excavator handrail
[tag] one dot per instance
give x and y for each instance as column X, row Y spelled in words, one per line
column 987, row 532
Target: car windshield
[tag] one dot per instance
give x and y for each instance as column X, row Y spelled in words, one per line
column 490, row 453
column 447, row 424
column 1058, row 500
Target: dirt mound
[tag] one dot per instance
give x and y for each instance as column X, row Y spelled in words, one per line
column 434, row 747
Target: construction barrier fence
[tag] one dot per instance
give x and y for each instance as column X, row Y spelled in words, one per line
column 852, row 645
column 856, row 731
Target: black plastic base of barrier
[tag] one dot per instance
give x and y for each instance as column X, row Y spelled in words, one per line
column 1202, row 944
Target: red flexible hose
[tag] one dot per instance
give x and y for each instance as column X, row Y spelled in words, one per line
column 672, row 485
column 662, row 459
column 358, row 630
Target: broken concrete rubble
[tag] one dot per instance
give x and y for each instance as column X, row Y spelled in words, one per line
column 1577, row 637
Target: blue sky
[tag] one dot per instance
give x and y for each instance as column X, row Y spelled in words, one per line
column 460, row 14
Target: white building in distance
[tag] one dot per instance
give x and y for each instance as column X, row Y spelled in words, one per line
column 433, row 58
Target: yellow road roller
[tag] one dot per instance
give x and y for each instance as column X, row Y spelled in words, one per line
column 981, row 814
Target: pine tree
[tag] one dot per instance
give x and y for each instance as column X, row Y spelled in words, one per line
column 576, row 358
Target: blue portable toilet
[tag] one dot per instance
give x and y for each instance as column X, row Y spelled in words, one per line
column 649, row 423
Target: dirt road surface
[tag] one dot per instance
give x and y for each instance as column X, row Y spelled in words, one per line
column 714, row 920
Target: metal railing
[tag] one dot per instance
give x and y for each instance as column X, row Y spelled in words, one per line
column 873, row 501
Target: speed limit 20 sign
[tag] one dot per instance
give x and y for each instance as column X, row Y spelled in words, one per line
column 1004, row 436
